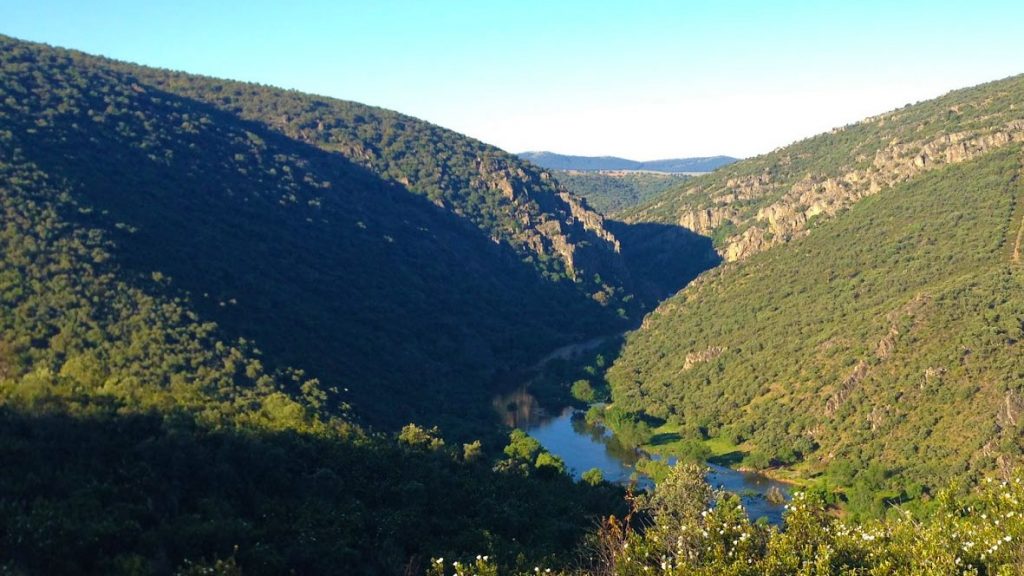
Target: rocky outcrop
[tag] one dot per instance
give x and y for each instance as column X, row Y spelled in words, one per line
column 553, row 221
column 705, row 220
column 846, row 388
column 591, row 221
column 1010, row 412
column 883, row 350
column 706, row 355
column 794, row 207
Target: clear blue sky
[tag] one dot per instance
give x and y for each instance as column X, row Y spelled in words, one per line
column 641, row 79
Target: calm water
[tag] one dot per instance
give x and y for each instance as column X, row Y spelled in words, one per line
column 582, row 448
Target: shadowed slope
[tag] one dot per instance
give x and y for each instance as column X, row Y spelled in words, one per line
column 319, row 261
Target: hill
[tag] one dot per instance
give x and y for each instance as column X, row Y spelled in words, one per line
column 198, row 313
column 553, row 161
column 610, row 192
column 765, row 201
column 445, row 263
column 881, row 350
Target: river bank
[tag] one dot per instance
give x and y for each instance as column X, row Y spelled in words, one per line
column 584, row 447
column 586, row 443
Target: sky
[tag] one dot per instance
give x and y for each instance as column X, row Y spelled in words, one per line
column 642, row 79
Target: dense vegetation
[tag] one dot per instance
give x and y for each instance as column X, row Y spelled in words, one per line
column 119, row 493
column 140, row 436
column 611, row 192
column 208, row 289
column 322, row 263
column 553, row 161
column 883, row 350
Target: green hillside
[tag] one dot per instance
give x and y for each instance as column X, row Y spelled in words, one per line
column 612, row 192
column 764, row 201
column 196, row 311
column 511, row 201
column 401, row 306
column 888, row 338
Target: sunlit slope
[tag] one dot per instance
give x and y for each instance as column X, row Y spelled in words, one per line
column 768, row 200
column 890, row 335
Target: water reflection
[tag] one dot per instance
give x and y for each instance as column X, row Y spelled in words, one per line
column 519, row 409
column 583, row 447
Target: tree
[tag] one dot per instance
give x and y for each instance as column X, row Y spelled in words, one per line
column 522, row 447
column 549, row 464
column 418, row 437
column 594, row 476
column 680, row 500
column 472, row 452
column 583, row 391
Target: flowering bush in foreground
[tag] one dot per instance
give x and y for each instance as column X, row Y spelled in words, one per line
column 683, row 531
column 482, row 566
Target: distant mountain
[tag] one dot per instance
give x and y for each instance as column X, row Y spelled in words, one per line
column 553, row 161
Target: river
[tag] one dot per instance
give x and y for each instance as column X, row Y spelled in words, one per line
column 583, row 447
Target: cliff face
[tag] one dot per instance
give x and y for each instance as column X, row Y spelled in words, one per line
column 553, row 222
column 819, row 196
column 769, row 200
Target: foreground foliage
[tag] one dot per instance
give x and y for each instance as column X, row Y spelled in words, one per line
column 976, row 533
column 685, row 529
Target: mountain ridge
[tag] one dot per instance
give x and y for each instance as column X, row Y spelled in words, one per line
column 764, row 201
column 273, row 237
column 555, row 161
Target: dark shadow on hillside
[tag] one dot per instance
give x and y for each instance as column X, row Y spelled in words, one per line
column 664, row 438
column 142, row 494
column 662, row 258
column 729, row 459
column 404, row 308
